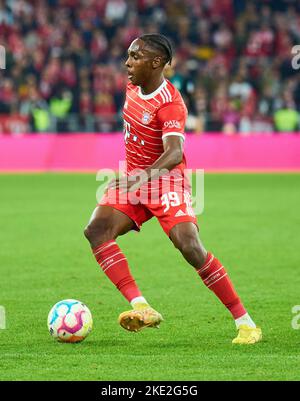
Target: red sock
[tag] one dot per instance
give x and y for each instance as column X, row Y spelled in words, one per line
column 216, row 279
column 114, row 264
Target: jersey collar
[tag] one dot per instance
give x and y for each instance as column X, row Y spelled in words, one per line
column 153, row 94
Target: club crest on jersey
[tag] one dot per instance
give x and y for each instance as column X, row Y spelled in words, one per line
column 146, row 117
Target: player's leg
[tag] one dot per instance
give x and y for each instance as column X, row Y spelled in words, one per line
column 105, row 225
column 185, row 238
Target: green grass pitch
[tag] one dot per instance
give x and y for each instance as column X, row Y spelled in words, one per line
column 251, row 222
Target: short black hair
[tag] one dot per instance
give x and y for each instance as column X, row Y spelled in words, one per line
column 159, row 42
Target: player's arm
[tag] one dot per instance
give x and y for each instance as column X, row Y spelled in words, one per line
column 171, row 119
column 170, row 158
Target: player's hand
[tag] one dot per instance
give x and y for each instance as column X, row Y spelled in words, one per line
column 126, row 184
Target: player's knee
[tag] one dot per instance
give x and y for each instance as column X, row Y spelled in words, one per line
column 97, row 232
column 191, row 249
column 90, row 232
column 87, row 232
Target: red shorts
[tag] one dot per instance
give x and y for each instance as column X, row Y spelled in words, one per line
column 169, row 208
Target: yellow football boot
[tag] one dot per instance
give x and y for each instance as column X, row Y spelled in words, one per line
column 248, row 335
column 140, row 317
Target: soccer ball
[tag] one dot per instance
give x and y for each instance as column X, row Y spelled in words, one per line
column 70, row 321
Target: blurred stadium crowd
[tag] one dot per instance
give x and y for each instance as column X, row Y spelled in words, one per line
column 65, row 62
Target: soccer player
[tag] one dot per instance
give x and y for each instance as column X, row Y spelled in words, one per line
column 154, row 120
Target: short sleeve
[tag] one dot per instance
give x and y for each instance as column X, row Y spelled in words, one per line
column 171, row 119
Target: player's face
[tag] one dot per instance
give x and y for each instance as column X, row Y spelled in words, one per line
column 139, row 63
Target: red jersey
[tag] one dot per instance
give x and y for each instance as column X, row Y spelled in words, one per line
column 147, row 120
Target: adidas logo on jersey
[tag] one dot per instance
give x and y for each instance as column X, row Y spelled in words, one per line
column 180, row 213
